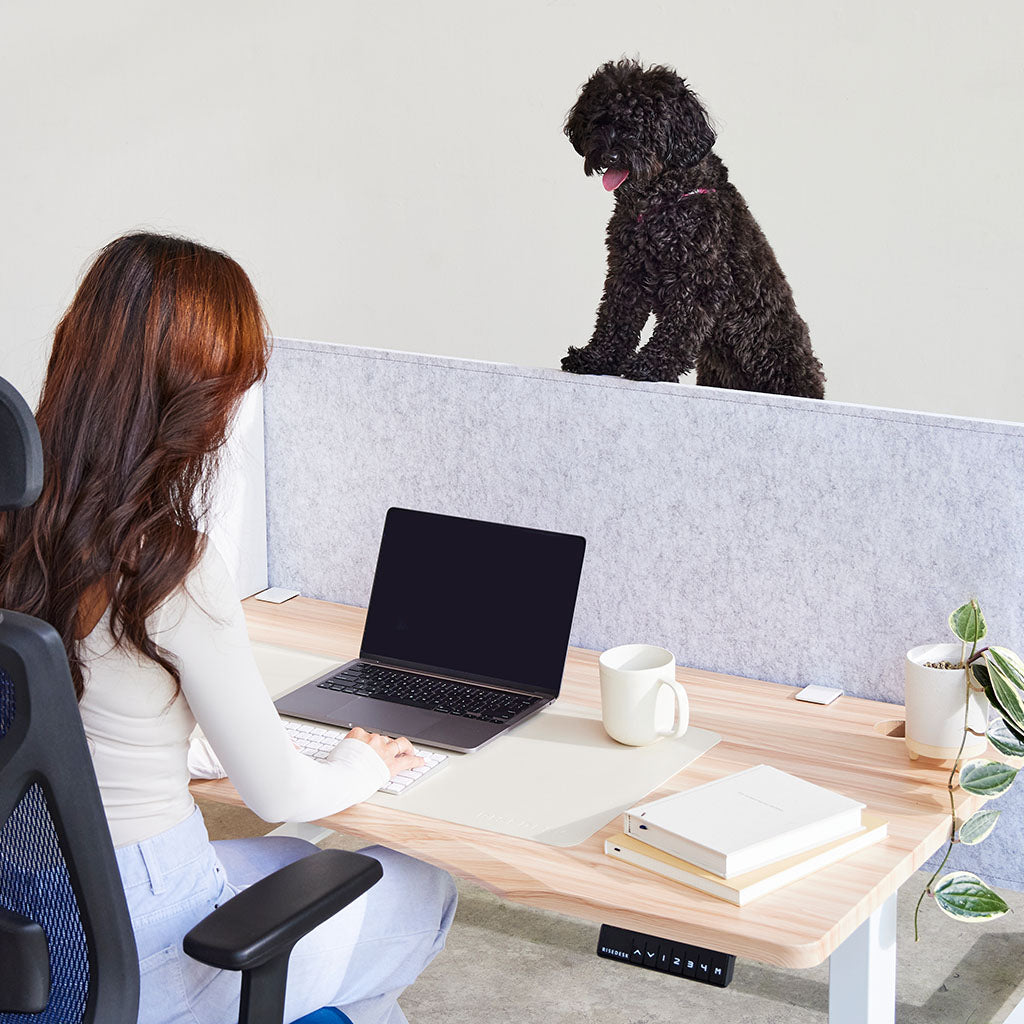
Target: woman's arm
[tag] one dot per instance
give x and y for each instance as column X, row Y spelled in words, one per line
column 204, row 629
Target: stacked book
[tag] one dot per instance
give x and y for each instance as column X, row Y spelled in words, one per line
column 746, row 835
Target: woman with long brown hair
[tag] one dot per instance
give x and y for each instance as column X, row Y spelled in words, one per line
column 149, row 364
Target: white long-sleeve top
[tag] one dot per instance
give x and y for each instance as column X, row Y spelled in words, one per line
column 138, row 730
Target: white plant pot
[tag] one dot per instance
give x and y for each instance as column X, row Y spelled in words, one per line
column 935, row 706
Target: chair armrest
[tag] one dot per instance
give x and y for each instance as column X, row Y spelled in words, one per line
column 25, row 955
column 269, row 917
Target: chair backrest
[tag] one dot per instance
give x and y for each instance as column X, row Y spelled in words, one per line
column 21, row 451
column 57, row 864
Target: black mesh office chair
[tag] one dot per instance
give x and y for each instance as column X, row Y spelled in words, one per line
column 67, row 952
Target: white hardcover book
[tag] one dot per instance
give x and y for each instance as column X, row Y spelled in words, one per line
column 744, row 821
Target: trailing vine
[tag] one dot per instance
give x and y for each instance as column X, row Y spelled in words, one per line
column 999, row 674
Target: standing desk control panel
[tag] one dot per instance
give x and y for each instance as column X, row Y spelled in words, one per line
column 679, row 958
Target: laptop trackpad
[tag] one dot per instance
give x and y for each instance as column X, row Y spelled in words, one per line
column 380, row 716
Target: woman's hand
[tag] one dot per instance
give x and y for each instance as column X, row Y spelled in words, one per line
column 396, row 754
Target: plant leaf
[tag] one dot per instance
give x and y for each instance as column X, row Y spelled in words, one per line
column 978, row 826
column 986, row 778
column 1005, row 739
column 966, row 897
column 1007, row 722
column 968, row 623
column 984, row 678
column 1014, row 730
column 1007, row 693
column 1008, row 664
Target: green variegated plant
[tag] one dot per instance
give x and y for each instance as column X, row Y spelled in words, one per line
column 1000, row 674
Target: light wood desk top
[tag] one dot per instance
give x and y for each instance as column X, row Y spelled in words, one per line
column 837, row 746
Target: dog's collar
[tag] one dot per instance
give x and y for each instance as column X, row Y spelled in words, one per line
column 685, row 195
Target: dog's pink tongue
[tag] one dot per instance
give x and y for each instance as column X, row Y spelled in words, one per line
column 613, row 179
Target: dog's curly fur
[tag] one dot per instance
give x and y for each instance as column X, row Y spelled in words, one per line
column 697, row 259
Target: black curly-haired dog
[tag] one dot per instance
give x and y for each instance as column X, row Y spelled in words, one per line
column 683, row 245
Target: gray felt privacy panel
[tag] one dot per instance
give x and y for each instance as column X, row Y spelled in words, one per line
column 778, row 538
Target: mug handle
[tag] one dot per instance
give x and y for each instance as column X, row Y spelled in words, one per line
column 682, row 708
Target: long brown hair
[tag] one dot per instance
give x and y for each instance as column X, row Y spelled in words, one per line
column 160, row 342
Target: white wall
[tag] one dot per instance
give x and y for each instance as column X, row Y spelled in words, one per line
column 395, row 174
column 237, row 518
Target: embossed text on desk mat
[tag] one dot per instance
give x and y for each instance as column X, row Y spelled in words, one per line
column 557, row 778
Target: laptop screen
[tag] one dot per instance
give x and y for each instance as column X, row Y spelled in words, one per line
column 478, row 600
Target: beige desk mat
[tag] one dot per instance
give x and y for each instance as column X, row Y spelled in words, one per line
column 556, row 779
column 283, row 668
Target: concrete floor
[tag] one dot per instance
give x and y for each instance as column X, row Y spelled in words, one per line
column 511, row 964
column 505, row 963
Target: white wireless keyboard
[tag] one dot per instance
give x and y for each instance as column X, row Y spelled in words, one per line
column 317, row 741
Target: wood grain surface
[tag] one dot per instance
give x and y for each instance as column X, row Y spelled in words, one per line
column 837, row 746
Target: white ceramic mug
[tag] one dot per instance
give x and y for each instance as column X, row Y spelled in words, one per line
column 635, row 680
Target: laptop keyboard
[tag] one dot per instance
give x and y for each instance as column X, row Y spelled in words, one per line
column 317, row 741
column 450, row 698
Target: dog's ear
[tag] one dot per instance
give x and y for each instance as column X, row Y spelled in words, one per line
column 574, row 127
column 690, row 135
column 592, row 98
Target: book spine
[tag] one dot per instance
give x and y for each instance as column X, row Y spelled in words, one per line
column 672, row 844
column 658, row 867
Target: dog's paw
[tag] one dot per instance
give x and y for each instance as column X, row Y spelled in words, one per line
column 585, row 360
column 642, row 367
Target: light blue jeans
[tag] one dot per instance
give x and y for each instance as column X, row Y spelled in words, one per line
column 359, row 960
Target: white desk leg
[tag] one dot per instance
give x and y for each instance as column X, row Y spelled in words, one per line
column 1016, row 1015
column 862, row 972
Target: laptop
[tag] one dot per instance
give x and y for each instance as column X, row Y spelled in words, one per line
column 465, row 637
